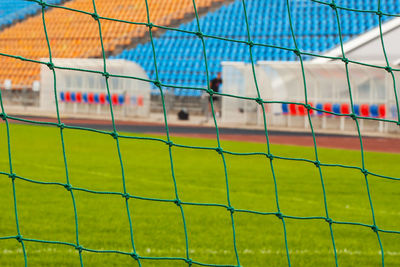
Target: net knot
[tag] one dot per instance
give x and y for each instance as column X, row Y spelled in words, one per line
column 114, row 135
column 364, row 171
column 79, row 248
column 19, row 238
column 270, row 156
column 200, row 34
column 231, row 209
column 353, row 116
column 279, row 215
column 388, row 69
column 106, row 74
column 333, row 5
column 169, row 143
column 317, row 163
column 345, row 60
column 43, row 4
column 210, row 92
column 329, row 220
column 259, row 100
column 126, row 196
column 95, row 16
column 3, row 116
column 178, row 202
column 374, row 228
column 12, row 176
column 379, row 13
column 219, row 150
column 296, row 52
column 189, row 261
column 250, row 43
column 134, row 256
column 150, row 25
column 308, row 106
column 157, row 84
column 68, row 187
column 61, row 125
column 398, row 123
column 50, row 65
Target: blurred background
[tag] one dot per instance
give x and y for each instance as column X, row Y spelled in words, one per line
column 171, row 53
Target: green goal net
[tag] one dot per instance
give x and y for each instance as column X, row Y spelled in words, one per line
column 271, row 158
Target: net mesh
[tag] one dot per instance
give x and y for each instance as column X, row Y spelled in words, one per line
column 160, row 85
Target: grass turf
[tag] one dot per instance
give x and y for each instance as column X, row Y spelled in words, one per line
column 46, row 211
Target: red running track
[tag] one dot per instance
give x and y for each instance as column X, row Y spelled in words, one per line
column 379, row 144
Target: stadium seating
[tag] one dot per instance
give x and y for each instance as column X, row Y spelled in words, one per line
column 15, row 10
column 99, row 98
column 285, row 109
column 180, row 57
column 75, row 34
column 179, row 54
column 364, row 110
column 345, row 108
column 293, row 109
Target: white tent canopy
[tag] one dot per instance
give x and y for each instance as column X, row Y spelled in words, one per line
column 74, row 81
column 323, row 83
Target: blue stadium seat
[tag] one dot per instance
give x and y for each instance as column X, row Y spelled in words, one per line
column 321, row 107
column 14, row 10
column 374, row 110
column 181, row 54
column 356, row 109
column 62, row 96
column 336, row 108
column 285, row 108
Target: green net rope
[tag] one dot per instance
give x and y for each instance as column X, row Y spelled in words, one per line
column 268, row 153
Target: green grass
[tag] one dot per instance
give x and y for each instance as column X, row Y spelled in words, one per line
column 46, row 211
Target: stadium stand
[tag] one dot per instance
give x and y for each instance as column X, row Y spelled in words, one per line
column 16, row 10
column 180, row 54
column 76, row 35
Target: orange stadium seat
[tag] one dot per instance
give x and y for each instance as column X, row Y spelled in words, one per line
column 74, row 34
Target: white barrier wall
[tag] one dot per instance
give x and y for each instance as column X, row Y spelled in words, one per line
column 327, row 86
column 237, row 83
column 83, row 92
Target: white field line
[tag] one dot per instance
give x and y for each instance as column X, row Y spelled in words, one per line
column 150, row 251
column 102, row 174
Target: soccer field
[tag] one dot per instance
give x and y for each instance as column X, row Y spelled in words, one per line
column 46, row 211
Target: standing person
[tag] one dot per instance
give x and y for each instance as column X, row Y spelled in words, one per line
column 215, row 85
